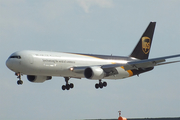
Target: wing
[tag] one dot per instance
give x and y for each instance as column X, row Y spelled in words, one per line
column 110, row 69
column 143, row 63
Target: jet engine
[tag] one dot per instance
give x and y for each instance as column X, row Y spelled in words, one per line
column 38, row 79
column 94, row 72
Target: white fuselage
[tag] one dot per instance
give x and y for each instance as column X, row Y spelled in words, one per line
column 45, row 63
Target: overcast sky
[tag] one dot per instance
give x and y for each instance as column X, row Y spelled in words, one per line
column 89, row 26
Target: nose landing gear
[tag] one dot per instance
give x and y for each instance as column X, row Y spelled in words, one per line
column 19, row 82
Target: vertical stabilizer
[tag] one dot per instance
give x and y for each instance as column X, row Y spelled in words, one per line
column 142, row 49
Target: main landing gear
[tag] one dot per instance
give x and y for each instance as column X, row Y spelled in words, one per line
column 71, row 85
column 67, row 86
column 19, row 82
column 100, row 84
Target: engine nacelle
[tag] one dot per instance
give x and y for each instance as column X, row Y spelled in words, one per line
column 94, row 72
column 38, row 79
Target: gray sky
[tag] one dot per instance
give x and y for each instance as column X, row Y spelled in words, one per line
column 89, row 26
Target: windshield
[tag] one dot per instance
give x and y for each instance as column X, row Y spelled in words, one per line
column 16, row 56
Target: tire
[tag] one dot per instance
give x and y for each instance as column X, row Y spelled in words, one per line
column 101, row 85
column 19, row 82
column 104, row 84
column 71, row 85
column 63, row 87
column 67, row 86
column 96, row 86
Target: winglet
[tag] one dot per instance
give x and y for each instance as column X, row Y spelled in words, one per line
column 142, row 49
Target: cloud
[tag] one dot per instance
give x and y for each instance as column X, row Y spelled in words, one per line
column 87, row 4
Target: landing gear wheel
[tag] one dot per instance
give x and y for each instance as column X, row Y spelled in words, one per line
column 104, row 84
column 100, row 84
column 71, row 85
column 63, row 87
column 19, row 82
column 96, row 85
column 67, row 86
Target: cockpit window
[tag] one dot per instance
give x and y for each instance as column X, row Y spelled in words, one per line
column 16, row 56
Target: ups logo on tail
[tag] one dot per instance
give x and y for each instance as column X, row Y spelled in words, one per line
column 146, row 44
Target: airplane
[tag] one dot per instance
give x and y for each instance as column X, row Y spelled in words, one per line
column 40, row 66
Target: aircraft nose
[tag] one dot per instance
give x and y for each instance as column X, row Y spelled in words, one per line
column 8, row 63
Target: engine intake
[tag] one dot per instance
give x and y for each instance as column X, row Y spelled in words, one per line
column 94, row 72
column 38, row 79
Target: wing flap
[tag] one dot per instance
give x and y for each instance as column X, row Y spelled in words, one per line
column 142, row 64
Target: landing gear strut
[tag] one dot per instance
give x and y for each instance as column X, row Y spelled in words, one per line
column 100, row 84
column 67, row 86
column 19, row 82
